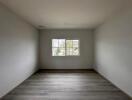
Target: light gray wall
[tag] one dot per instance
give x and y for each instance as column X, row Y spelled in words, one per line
column 84, row 61
column 113, row 50
column 18, row 50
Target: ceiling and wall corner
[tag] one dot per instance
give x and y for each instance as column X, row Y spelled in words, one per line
column 56, row 14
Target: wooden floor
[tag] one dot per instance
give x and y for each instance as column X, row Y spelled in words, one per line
column 59, row 85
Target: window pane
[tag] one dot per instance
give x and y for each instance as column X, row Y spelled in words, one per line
column 61, row 52
column 55, row 43
column 54, row 51
column 69, row 51
column 61, row 42
column 69, row 43
column 58, row 51
column 75, row 51
column 75, row 43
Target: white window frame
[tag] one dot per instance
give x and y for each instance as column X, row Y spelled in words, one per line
column 66, row 47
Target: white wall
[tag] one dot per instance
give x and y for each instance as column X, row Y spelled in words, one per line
column 18, row 50
column 84, row 61
column 113, row 50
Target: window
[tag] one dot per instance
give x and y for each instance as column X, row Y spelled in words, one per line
column 58, row 47
column 63, row 47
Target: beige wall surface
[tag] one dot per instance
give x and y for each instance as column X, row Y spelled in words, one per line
column 84, row 61
column 113, row 50
column 18, row 50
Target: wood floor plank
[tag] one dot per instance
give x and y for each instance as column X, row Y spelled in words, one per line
column 66, row 85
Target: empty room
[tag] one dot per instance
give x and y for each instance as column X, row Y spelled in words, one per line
column 65, row 49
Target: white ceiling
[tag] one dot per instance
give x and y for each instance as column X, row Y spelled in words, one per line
column 65, row 13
